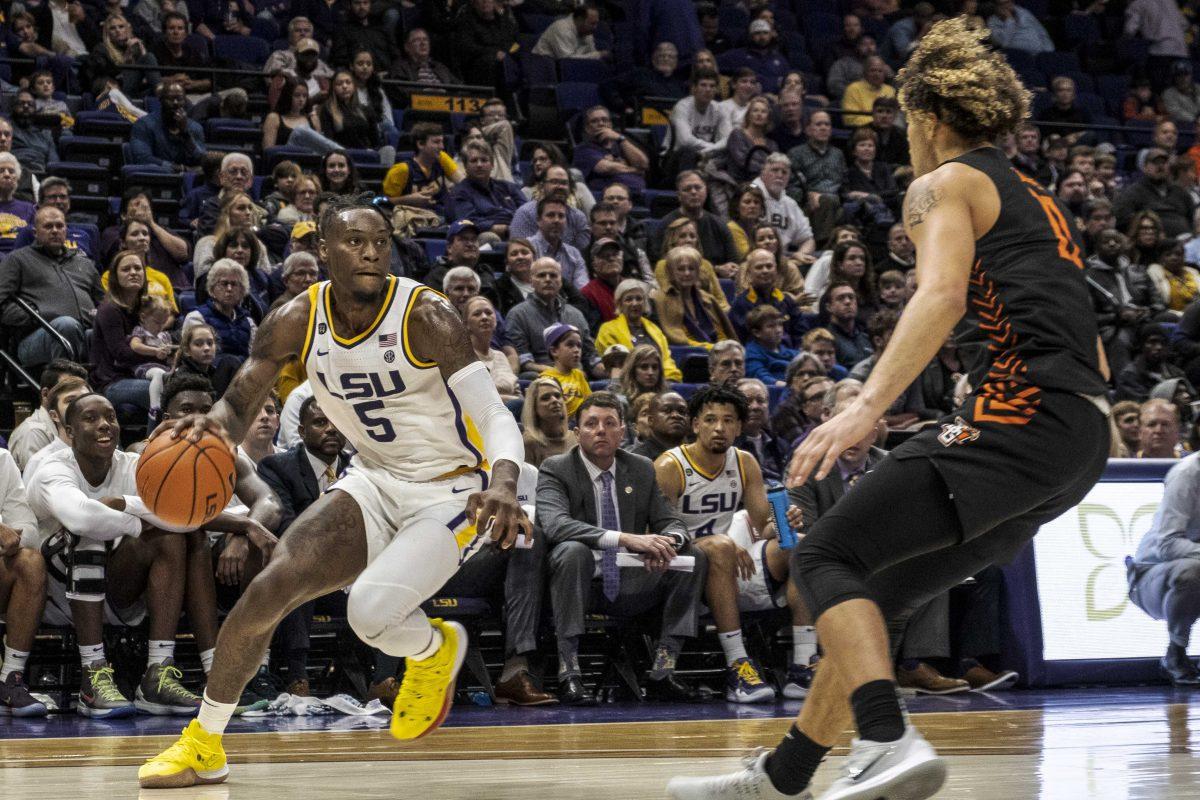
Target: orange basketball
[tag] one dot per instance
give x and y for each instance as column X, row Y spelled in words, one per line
column 186, row 483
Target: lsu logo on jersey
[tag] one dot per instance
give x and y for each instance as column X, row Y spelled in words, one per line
column 960, row 432
column 365, row 393
column 710, row 503
column 364, row 385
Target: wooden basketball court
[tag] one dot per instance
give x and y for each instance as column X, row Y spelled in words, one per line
column 1071, row 745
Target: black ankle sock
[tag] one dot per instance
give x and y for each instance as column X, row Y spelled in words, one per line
column 877, row 711
column 793, row 763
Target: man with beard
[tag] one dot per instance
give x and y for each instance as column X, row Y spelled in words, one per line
column 167, row 137
column 32, row 144
column 901, row 254
column 668, row 425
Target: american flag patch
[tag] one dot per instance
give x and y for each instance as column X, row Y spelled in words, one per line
column 387, row 340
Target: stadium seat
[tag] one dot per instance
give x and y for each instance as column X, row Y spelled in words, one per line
column 1081, row 30
column 1093, row 104
column 223, row 133
column 362, row 156
column 821, row 26
column 84, row 177
column 534, row 24
column 1133, row 52
column 246, row 49
column 103, row 124
column 1056, row 63
column 584, row 70
column 538, row 70
column 1139, row 133
column 1113, row 89
column 92, row 150
column 305, row 158
column 160, row 184
column 574, row 97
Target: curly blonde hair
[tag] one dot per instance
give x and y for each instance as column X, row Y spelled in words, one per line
column 966, row 85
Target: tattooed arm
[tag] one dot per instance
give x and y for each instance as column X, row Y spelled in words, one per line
column 943, row 211
column 280, row 337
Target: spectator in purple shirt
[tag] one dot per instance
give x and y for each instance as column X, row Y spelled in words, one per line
column 14, row 214
column 606, row 155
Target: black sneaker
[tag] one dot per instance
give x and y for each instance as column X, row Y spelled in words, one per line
column 264, row 685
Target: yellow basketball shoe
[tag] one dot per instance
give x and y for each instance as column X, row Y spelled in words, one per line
column 196, row 759
column 428, row 688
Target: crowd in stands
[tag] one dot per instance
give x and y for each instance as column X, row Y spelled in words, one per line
column 673, row 232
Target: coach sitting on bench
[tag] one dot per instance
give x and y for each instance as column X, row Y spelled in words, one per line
column 593, row 502
column 1164, row 574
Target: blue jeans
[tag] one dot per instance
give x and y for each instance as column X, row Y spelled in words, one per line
column 40, row 348
column 130, row 397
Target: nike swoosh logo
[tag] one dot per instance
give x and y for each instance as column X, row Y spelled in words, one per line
column 322, row 353
column 458, row 491
column 863, row 772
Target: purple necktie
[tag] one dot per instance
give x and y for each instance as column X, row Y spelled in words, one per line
column 609, row 571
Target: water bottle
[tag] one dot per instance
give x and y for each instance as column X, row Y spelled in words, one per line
column 777, row 496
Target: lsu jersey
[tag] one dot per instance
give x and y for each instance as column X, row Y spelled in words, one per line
column 393, row 407
column 708, row 502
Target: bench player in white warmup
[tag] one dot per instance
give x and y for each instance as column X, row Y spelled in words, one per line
column 392, row 366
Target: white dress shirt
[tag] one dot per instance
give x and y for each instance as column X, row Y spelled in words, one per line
column 319, row 468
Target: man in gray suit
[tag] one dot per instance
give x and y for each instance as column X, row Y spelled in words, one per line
column 927, row 632
column 593, row 502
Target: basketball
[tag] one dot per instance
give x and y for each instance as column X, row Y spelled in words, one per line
column 186, row 483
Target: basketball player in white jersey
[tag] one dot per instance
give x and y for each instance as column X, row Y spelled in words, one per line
column 392, row 366
column 708, row 480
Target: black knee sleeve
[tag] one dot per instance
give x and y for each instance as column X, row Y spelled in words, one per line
column 824, row 570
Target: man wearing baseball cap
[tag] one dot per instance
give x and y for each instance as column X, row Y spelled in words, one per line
column 608, row 267
column 1155, row 192
column 762, row 54
column 462, row 250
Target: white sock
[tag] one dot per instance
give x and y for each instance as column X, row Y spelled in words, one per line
column 804, row 644
column 266, row 659
column 435, row 644
column 160, row 651
column 215, row 716
column 206, row 659
column 91, row 653
column 733, row 646
column 14, row 661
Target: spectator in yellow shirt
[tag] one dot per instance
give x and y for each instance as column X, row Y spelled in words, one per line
column 566, row 348
column 860, row 96
column 424, row 179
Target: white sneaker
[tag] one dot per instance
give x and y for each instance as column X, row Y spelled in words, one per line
column 906, row 769
column 750, row 783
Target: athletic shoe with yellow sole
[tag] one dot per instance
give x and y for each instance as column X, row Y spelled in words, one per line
column 428, row 688
column 196, row 759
